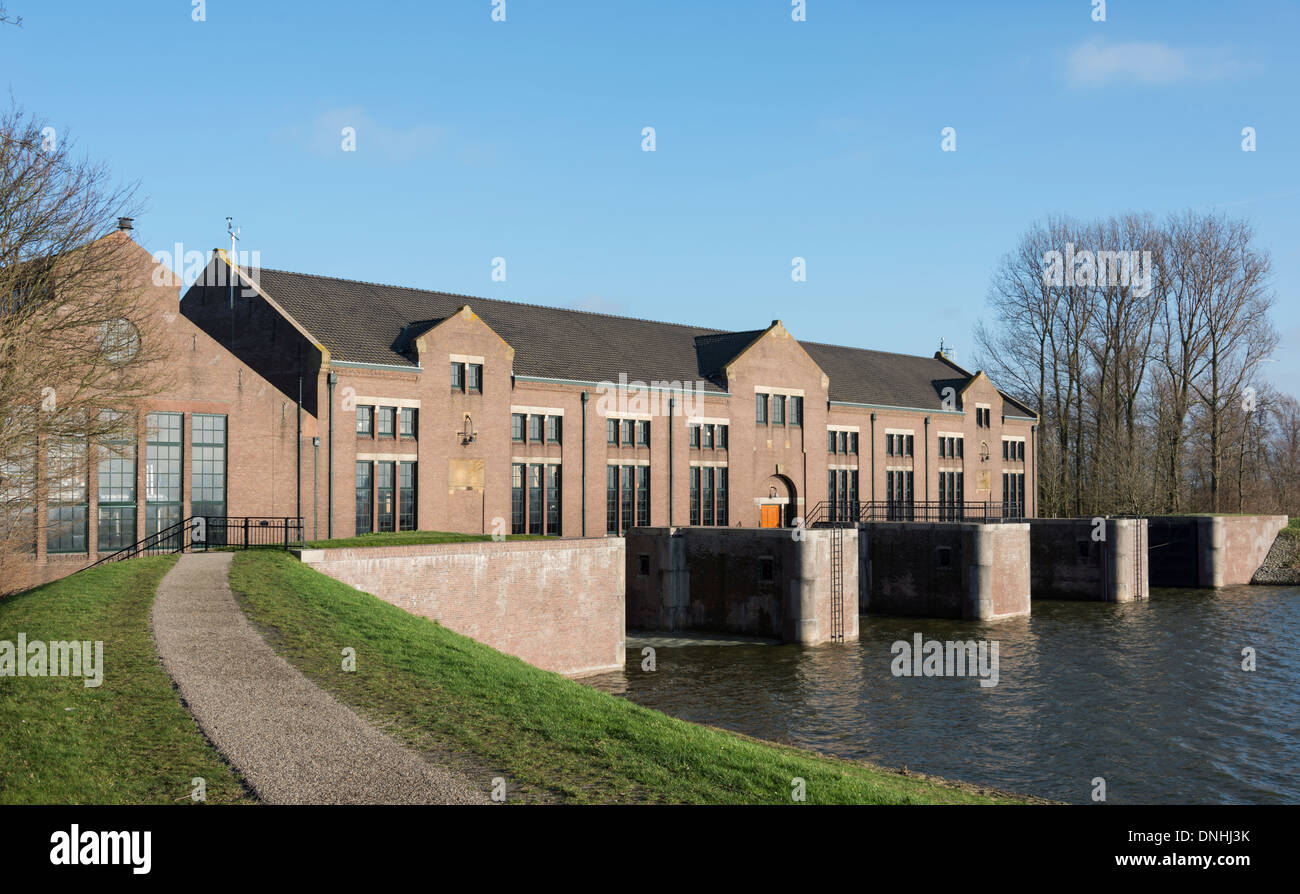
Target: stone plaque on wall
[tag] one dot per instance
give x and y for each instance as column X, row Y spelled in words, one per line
column 464, row 474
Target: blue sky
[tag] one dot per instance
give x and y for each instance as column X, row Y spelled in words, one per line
column 775, row 139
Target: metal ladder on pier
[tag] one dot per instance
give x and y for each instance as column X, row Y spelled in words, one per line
column 837, row 583
column 1140, row 588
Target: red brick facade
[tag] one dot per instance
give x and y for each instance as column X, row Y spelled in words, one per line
column 201, row 377
column 465, row 484
column 245, row 357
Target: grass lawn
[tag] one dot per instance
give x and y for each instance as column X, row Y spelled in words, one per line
column 489, row 714
column 128, row 741
column 409, row 538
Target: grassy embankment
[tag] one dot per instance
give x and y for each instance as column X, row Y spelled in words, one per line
column 127, row 741
column 488, row 714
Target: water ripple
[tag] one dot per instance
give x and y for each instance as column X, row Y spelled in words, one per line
column 1149, row 696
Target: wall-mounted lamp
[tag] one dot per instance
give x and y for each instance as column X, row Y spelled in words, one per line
column 467, row 434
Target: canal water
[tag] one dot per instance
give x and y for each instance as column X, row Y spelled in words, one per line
column 1149, row 696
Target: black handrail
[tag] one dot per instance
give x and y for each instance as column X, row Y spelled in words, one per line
column 829, row 513
column 169, row 540
column 207, row 532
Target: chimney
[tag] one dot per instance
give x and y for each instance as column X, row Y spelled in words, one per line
column 125, row 224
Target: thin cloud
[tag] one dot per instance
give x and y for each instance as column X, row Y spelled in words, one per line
column 393, row 143
column 1097, row 63
column 1265, row 198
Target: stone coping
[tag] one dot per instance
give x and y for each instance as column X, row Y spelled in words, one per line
column 461, row 547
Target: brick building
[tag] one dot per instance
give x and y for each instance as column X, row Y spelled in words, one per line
column 446, row 412
column 426, row 410
column 216, row 439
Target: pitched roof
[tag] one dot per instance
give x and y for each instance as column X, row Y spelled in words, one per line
column 368, row 323
column 716, row 351
column 880, row 377
column 365, row 322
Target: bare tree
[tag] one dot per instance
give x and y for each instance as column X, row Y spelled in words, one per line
column 1144, row 378
column 78, row 348
column 1028, row 349
column 1283, row 455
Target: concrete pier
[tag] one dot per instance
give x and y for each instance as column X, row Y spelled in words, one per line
column 977, row 572
column 1210, row 550
column 1103, row 560
column 764, row 582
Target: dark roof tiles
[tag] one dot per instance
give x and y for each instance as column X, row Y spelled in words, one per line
column 370, row 323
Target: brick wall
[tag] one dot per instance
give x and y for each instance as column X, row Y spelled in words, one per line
column 557, row 604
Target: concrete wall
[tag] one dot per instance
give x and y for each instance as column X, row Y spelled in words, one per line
column 1210, row 550
column 557, row 604
column 945, row 569
column 751, row 581
column 1066, row 561
column 1246, row 541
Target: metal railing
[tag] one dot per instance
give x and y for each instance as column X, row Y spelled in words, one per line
column 853, row 512
column 249, row 531
column 201, row 533
column 169, row 540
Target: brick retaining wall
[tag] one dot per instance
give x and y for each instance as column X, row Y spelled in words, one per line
column 558, row 604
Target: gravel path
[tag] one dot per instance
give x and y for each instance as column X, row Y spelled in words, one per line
column 294, row 743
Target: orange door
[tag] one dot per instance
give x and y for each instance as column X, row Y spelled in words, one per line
column 770, row 516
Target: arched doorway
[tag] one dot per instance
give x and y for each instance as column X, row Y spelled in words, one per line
column 777, row 502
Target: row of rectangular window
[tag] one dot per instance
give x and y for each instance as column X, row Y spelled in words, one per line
column 899, row 496
column 1013, row 493
column 842, row 494
column 711, row 436
column 385, row 496
column 952, row 448
column 709, row 495
column 983, row 417
column 535, row 499
column 378, row 421
column 635, row 432
column 1013, row 450
column 845, row 442
column 771, row 409
column 951, row 495
column 898, row 445
column 467, row 377
column 627, row 498
column 67, row 507
column 534, row 427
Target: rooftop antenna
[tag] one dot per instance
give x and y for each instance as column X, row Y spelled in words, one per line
column 234, row 237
